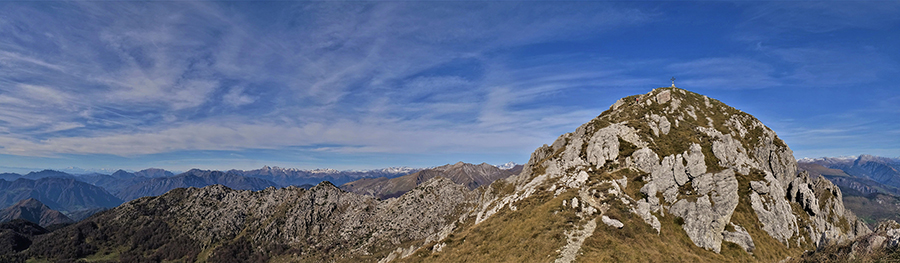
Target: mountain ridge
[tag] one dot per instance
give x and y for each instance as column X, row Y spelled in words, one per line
column 872, row 200
column 193, row 178
column 470, row 175
column 669, row 175
column 63, row 194
column 34, row 211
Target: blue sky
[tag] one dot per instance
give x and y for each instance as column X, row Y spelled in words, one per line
column 360, row 85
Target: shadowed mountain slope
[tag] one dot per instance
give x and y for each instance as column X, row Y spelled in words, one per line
column 33, row 210
column 192, row 178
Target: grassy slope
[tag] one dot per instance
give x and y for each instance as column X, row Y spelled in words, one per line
column 534, row 233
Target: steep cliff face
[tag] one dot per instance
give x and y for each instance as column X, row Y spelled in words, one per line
column 681, row 164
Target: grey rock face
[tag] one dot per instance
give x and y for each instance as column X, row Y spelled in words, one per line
column 663, row 96
column 323, row 218
column 705, row 219
column 773, row 211
column 741, row 237
column 603, row 146
column 695, row 161
column 885, row 238
column 679, row 183
column 612, row 222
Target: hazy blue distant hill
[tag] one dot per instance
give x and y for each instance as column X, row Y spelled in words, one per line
column 47, row 174
column 298, row 177
column 193, row 178
column 153, row 173
column 10, row 176
column 63, row 194
column 115, row 182
column 883, row 170
column 36, row 175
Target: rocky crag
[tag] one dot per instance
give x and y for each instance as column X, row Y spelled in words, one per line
column 665, row 176
column 882, row 245
column 670, row 162
column 219, row 224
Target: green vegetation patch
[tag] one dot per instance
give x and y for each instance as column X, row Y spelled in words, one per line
column 626, row 148
column 712, row 162
column 687, row 192
column 752, row 138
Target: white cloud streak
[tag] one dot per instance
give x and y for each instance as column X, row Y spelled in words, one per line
column 145, row 78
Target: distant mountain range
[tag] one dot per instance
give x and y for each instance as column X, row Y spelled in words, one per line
column 193, row 178
column 666, row 176
column 297, row 177
column 870, row 184
column 64, row 194
column 469, row 175
column 36, row 175
column 80, row 196
column 883, row 170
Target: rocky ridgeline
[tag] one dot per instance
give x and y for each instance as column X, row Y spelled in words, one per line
column 655, row 169
column 215, row 223
column 470, row 175
column 879, row 246
column 671, row 152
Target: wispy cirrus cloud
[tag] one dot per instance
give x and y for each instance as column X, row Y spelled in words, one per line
column 148, row 78
column 157, row 80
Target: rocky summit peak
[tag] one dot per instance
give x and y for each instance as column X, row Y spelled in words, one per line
column 674, row 154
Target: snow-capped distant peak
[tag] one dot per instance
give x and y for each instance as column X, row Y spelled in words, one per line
column 397, row 170
column 507, row 166
column 809, row 160
column 324, row 171
column 819, row 159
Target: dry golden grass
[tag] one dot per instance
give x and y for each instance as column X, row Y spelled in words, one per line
column 531, row 234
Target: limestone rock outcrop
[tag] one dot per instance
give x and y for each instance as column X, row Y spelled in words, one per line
column 323, row 223
column 692, row 158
